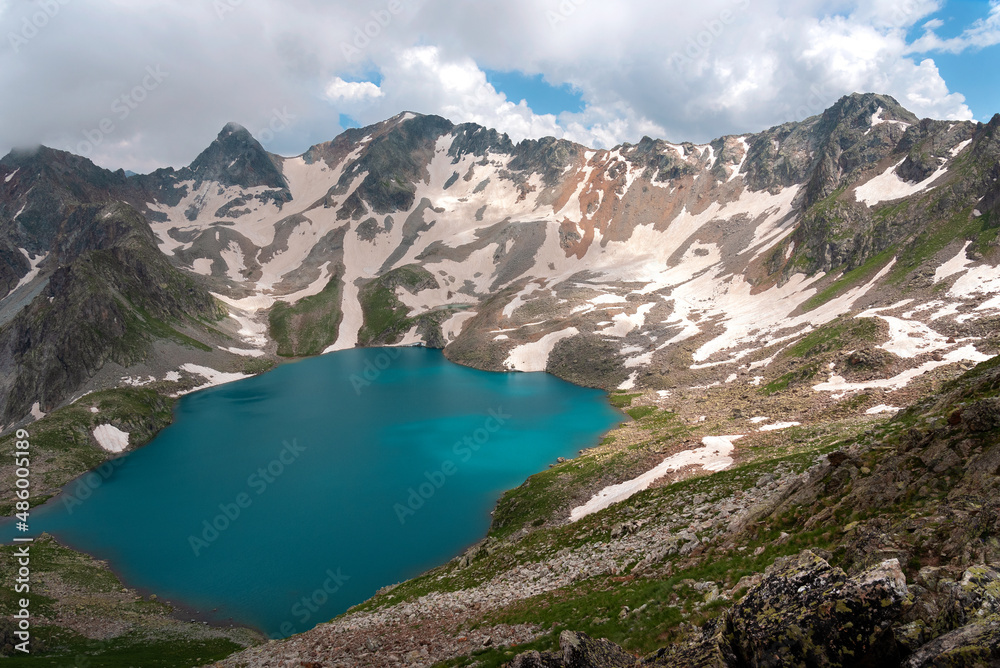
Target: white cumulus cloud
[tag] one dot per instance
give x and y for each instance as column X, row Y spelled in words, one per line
column 287, row 69
column 981, row 34
column 352, row 91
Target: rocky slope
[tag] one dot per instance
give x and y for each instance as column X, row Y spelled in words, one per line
column 627, row 268
column 83, row 607
column 762, row 306
column 98, row 290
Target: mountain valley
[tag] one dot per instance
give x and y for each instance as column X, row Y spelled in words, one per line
column 800, row 327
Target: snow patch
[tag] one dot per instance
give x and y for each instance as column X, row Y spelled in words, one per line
column 878, row 120
column 909, row 338
column 111, row 438
column 233, row 257
column 203, row 266
column 778, row 426
column 739, row 168
column 955, row 265
column 253, row 352
column 714, row 456
column 138, row 381
column 452, row 327
column 878, row 410
column 961, row 147
column 535, row 356
column 522, row 297
column 887, row 186
column 211, row 375
column 629, row 383
column 625, row 324
column 840, row 385
column 981, row 280
column 32, row 273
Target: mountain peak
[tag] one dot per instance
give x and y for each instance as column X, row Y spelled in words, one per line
column 233, row 128
column 870, row 103
column 236, row 158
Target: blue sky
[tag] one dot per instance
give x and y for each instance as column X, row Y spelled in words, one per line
column 298, row 72
column 541, row 96
column 975, row 73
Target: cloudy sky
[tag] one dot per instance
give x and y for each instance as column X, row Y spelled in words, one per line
column 141, row 84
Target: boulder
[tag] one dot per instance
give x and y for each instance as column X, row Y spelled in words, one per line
column 973, row 645
column 578, row 650
column 808, row 613
column 804, row 612
column 983, row 415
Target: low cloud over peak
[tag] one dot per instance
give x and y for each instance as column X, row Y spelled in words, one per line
column 148, row 83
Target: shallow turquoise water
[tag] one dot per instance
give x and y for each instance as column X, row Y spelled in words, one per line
column 282, row 500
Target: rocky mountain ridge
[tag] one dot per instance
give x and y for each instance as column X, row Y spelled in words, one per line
column 655, row 257
column 761, row 305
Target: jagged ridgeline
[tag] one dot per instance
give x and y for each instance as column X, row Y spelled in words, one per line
column 760, row 306
column 626, row 268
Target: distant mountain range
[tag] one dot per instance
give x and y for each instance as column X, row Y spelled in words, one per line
column 632, row 267
column 760, row 306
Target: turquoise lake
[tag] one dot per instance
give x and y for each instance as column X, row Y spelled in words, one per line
column 281, row 500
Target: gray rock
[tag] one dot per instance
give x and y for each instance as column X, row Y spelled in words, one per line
column 983, row 415
column 578, row 650
column 976, row 644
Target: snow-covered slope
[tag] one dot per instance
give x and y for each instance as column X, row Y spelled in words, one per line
column 641, row 250
column 646, row 265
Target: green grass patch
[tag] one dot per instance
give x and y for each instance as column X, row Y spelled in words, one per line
column 622, row 400
column 640, row 412
column 385, row 316
column 851, row 278
column 61, row 441
column 835, row 336
column 781, row 384
column 543, row 493
column 933, row 240
column 255, row 366
column 152, row 640
column 987, row 241
column 162, row 330
column 128, row 651
column 386, row 319
column 892, row 210
column 311, row 325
